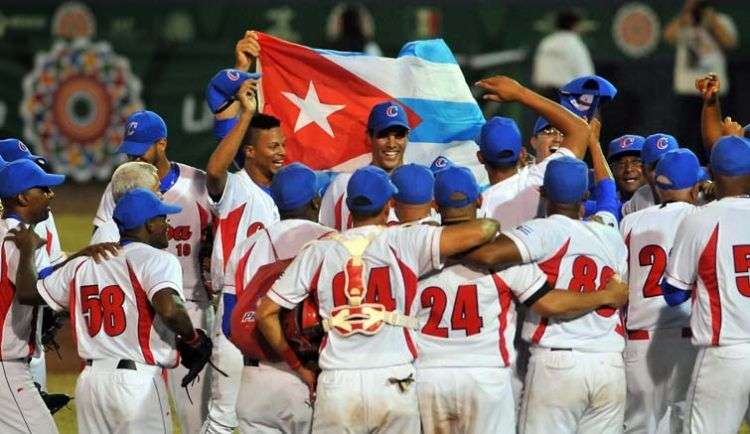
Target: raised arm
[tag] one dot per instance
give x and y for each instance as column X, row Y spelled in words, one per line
column 459, row 238
column 223, row 155
column 601, row 168
column 709, row 87
column 246, row 51
column 575, row 129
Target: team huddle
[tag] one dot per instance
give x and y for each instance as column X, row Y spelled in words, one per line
column 398, row 298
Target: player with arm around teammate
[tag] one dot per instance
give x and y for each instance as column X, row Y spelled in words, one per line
column 365, row 281
column 711, row 253
column 128, row 315
column 285, row 406
column 467, row 320
column 658, row 354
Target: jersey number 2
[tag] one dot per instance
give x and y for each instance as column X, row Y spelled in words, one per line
column 103, row 309
column 656, row 257
column 465, row 314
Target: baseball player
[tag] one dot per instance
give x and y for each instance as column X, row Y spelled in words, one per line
column 513, row 196
column 242, row 202
column 710, row 253
column 127, row 314
column 388, row 136
column 658, row 355
column 12, row 150
column 365, row 281
column 546, row 139
column 285, row 407
column 654, row 147
column 146, row 141
column 414, row 200
column 25, row 194
column 624, row 156
column 467, row 319
column 585, row 349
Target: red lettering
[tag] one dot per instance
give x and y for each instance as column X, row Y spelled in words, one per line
column 654, row 256
column 741, row 255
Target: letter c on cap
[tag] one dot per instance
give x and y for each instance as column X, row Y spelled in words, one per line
column 131, row 128
column 391, row 111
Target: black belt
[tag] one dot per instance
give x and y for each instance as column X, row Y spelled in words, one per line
column 561, row 349
column 249, row 362
column 122, row 364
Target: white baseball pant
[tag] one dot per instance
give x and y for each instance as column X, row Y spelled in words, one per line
column 354, row 401
column 192, row 411
column 572, row 392
column 466, row 400
column 273, row 400
column 719, row 390
column 123, row 401
column 658, row 364
column 222, row 414
column 21, row 407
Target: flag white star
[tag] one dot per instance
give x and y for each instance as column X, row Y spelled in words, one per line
column 312, row 110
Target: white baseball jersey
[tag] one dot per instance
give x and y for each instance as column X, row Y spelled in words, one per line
column 712, row 251
column 467, row 318
column 18, row 332
column 186, row 228
column 110, row 304
column 515, row 200
column 649, row 235
column 641, row 199
column 333, row 210
column 580, row 256
column 393, row 262
column 47, row 230
column 242, row 210
column 285, row 237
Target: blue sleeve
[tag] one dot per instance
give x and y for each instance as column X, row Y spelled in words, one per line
column 605, row 193
column 222, row 127
column 44, row 272
column 674, row 296
column 589, row 208
column 229, row 301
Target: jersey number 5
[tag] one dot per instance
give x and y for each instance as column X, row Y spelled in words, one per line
column 103, row 309
column 465, row 314
column 741, row 255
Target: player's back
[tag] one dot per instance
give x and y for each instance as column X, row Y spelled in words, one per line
column 649, row 235
column 113, row 317
column 333, row 210
column 712, row 247
column 467, row 317
column 580, row 256
column 392, row 262
column 511, row 201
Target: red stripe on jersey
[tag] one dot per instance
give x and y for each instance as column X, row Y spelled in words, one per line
column 504, row 298
column 72, row 288
column 410, row 286
column 624, row 311
column 204, row 216
column 550, row 267
column 7, row 292
column 707, row 273
column 48, row 244
column 337, row 212
column 313, row 292
column 32, row 334
column 239, row 274
column 228, row 227
column 145, row 318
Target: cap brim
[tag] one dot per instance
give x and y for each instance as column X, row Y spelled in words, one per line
column 623, row 153
column 133, row 148
column 50, row 180
column 378, row 128
column 167, row 208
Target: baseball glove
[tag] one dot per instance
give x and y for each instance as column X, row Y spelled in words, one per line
column 53, row 401
column 51, row 323
column 195, row 355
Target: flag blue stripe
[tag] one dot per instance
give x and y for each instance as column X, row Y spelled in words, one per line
column 444, row 121
column 434, row 50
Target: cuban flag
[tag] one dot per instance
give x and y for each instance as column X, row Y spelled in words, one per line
column 323, row 99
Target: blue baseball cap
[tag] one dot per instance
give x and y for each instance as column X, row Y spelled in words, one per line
column 440, row 163
column 656, row 145
column 414, row 182
column 455, row 187
column 629, row 144
column 369, row 189
column 566, row 180
column 500, row 141
column 385, row 115
column 21, row 175
column 14, row 149
column 293, row 186
column 703, row 174
column 222, row 89
column 138, row 206
column 730, row 156
column 590, row 85
column 677, row 169
column 540, row 124
column 142, row 129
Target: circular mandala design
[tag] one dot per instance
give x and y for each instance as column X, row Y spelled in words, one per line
column 636, row 29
